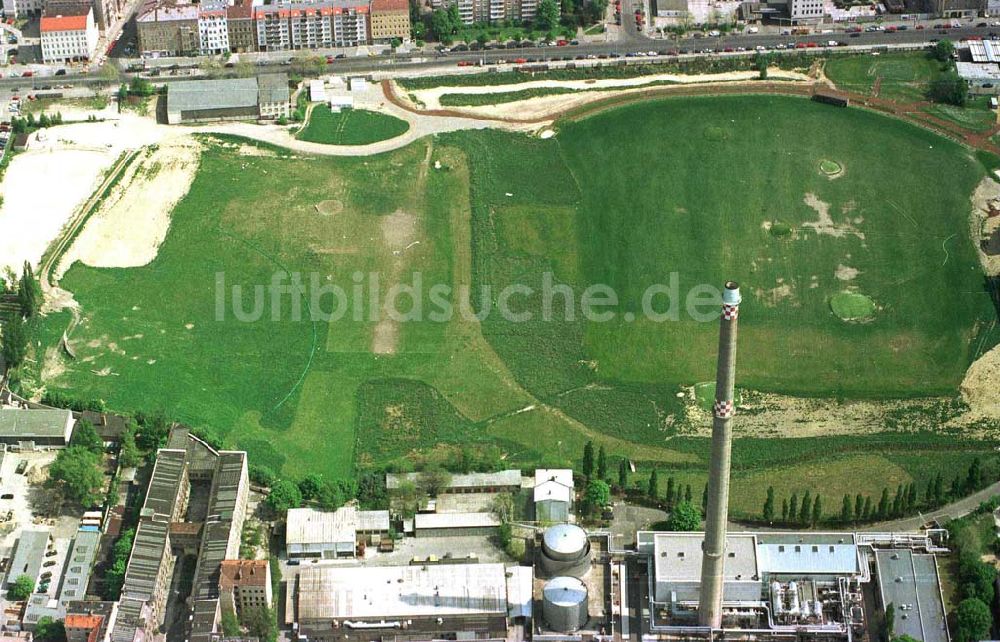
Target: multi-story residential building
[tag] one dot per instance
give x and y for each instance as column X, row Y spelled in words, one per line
column 21, row 8
column 245, row 584
column 71, row 37
column 273, row 29
column 350, row 24
column 242, row 32
column 213, row 28
column 311, row 25
column 476, row 11
column 390, row 19
column 168, row 28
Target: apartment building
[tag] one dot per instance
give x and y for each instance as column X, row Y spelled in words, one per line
column 245, row 584
column 242, row 32
column 311, row 25
column 476, row 11
column 21, row 8
column 390, row 19
column 168, row 28
column 213, row 28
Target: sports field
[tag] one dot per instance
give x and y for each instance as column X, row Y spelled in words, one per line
column 700, row 187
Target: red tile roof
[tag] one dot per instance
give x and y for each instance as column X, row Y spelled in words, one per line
column 390, row 5
column 243, row 573
column 64, row 23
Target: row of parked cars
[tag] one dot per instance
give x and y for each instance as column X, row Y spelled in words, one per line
column 510, row 44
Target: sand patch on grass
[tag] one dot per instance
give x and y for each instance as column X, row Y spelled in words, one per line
column 385, row 337
column 846, row 273
column 399, row 230
column 825, row 224
column 772, row 297
column 985, row 201
column 133, row 220
column 981, row 383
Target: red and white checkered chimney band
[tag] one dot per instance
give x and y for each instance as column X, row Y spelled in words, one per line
column 724, row 409
column 730, row 312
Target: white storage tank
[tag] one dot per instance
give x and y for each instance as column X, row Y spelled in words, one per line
column 564, row 604
column 565, row 551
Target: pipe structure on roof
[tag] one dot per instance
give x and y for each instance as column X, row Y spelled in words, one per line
column 717, row 513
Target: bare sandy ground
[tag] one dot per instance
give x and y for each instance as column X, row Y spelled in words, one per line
column 981, row 386
column 45, row 185
column 985, row 198
column 550, row 106
column 133, row 221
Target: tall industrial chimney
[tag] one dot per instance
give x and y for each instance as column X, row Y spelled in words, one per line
column 714, row 547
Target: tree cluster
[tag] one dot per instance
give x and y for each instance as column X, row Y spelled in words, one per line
column 77, row 471
column 114, row 578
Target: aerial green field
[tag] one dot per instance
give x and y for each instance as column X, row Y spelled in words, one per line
column 902, row 76
column 351, row 127
column 705, row 188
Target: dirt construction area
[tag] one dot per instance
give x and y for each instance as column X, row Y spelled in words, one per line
column 44, row 185
column 134, row 218
column 587, row 91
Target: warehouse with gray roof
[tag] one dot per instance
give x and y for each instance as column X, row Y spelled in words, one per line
column 266, row 96
column 37, row 427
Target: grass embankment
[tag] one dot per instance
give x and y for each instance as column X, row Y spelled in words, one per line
column 607, row 70
column 327, row 396
column 351, row 127
column 497, row 98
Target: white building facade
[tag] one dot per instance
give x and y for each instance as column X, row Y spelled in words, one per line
column 68, row 38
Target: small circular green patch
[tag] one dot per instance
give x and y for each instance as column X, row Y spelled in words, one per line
column 853, row 306
column 716, row 134
column 830, row 168
column 780, row 230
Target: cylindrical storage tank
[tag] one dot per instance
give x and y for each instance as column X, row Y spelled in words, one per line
column 564, row 541
column 564, row 604
column 565, row 551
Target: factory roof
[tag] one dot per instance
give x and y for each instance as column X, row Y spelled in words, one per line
column 28, row 554
column 130, row 613
column 401, row 591
column 144, row 564
column 510, row 478
column 311, row 526
column 217, row 541
column 455, row 520
column 273, row 88
column 910, row 583
column 985, row 50
column 809, row 553
column 164, row 485
column 553, row 484
column 30, row 424
column 974, row 71
column 200, row 95
column 73, row 585
column 203, row 618
column 678, row 557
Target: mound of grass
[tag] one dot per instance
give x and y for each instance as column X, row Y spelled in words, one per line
column 780, row 230
column 830, row 167
column 853, row 306
column 716, row 134
column 351, row 127
column 498, row 98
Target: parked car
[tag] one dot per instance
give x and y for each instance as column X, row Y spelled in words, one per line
column 60, row 72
